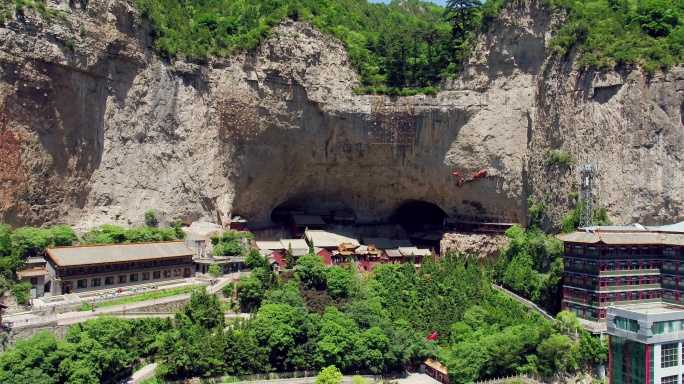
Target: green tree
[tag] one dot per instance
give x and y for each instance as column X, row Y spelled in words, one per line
column 214, row 271
column 203, row 309
column 338, row 341
column 329, row 375
column 5, row 240
column 63, row 235
column 311, row 271
column 255, row 260
column 151, row 218
column 250, row 291
column 521, row 277
column 289, row 257
column 375, row 345
column 557, row 354
column 591, row 349
column 20, row 291
column 461, row 14
column 288, row 294
column 28, row 241
column 227, row 249
column 277, row 328
column 338, row 281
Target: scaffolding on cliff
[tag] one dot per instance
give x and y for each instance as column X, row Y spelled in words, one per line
column 392, row 123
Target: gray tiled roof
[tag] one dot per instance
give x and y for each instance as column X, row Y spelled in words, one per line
column 671, row 228
column 638, row 237
column 408, row 251
column 393, row 253
column 98, row 254
column 329, row 239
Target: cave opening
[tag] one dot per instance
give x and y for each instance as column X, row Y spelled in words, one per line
column 331, row 213
column 418, row 215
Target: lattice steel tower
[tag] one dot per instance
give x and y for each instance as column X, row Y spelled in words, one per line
column 587, row 174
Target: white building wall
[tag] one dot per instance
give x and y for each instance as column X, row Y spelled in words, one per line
column 659, row 372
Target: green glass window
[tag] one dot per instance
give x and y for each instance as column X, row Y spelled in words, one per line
column 624, row 351
column 660, row 327
column 626, row 324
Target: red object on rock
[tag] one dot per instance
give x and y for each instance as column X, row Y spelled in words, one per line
column 477, row 175
column 456, row 174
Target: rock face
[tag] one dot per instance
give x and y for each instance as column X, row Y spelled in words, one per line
column 483, row 245
column 108, row 129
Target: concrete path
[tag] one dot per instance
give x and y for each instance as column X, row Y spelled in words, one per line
column 416, row 378
column 411, row 378
column 144, row 373
column 525, row 302
column 74, row 317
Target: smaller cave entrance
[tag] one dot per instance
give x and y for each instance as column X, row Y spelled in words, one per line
column 417, row 215
column 312, row 215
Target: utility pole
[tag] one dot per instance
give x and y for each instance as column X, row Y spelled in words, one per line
column 587, row 174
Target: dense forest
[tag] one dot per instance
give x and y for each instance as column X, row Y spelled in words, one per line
column 319, row 316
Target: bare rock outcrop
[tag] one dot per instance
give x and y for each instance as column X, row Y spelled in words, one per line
column 108, row 129
column 482, row 245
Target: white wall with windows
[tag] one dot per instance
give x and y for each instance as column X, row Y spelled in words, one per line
column 668, row 360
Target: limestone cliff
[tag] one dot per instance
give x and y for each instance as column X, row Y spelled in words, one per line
column 108, row 129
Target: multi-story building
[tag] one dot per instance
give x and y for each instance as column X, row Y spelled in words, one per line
column 612, row 265
column 86, row 268
column 645, row 344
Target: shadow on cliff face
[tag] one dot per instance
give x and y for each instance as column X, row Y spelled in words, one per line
column 369, row 163
column 64, row 108
column 417, row 215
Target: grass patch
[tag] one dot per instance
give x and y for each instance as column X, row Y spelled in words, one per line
column 142, row 297
column 557, row 158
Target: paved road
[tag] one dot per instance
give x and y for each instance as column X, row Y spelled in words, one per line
column 143, row 374
column 412, row 378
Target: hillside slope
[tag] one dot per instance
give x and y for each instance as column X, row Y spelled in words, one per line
column 110, row 130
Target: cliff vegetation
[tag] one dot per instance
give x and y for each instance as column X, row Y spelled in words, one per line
column 403, row 44
column 649, row 33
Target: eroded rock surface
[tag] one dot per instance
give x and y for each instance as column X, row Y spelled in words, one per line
column 110, row 129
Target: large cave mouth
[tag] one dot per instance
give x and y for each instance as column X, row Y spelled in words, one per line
column 417, row 215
